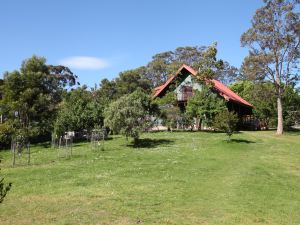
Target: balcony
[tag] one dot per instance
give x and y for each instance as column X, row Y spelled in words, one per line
column 185, row 93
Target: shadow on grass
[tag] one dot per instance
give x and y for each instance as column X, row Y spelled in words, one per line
column 293, row 131
column 150, row 143
column 241, row 141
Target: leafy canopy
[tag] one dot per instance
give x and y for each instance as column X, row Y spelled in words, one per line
column 130, row 114
column 205, row 105
column 274, row 43
column 30, row 96
column 81, row 110
column 226, row 121
column 4, row 188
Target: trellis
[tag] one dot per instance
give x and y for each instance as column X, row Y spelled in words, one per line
column 19, row 146
column 97, row 139
column 64, row 144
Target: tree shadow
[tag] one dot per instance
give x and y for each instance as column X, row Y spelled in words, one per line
column 293, row 131
column 241, row 141
column 150, row 143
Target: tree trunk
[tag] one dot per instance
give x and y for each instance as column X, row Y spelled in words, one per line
column 279, row 116
column 135, row 141
column 199, row 124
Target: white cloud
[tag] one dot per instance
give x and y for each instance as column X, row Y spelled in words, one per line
column 85, row 62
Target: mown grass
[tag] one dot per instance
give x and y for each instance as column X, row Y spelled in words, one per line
column 173, row 178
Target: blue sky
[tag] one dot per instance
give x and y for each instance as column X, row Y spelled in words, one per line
column 99, row 39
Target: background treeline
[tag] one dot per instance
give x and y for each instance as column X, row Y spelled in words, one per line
column 39, row 99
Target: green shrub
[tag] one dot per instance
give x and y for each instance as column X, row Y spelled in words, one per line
column 226, row 121
column 4, row 188
column 5, row 134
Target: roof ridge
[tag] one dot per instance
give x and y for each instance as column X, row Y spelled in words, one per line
column 225, row 91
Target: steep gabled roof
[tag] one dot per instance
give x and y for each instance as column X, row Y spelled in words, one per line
column 222, row 89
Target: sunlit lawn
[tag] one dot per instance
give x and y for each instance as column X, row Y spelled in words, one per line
column 173, row 178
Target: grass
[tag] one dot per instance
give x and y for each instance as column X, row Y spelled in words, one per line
column 172, row 178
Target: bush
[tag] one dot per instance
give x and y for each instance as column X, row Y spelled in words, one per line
column 3, row 188
column 204, row 106
column 6, row 132
column 129, row 115
column 226, row 121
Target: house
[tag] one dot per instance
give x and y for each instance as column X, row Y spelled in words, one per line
column 183, row 85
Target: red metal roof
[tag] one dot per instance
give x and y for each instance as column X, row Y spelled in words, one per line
column 222, row 89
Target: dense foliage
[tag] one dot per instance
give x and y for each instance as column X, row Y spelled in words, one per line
column 6, row 132
column 129, row 115
column 39, row 98
column 263, row 97
column 226, row 121
column 163, row 64
column 80, row 111
column 204, row 106
column 29, row 97
column 4, row 188
column 169, row 112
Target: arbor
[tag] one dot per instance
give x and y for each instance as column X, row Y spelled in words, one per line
column 226, row 121
column 274, row 40
column 204, row 106
column 129, row 115
column 30, row 96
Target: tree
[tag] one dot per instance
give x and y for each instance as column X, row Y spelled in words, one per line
column 262, row 96
column 167, row 63
column 204, row 106
column 291, row 113
column 30, row 96
column 131, row 80
column 6, row 132
column 126, row 83
column 3, row 188
column 227, row 74
column 161, row 66
column 80, row 110
column 226, row 121
column 274, row 40
column 129, row 115
column 168, row 109
column 107, row 91
column 209, row 67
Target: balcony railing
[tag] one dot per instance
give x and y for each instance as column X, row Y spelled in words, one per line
column 184, row 96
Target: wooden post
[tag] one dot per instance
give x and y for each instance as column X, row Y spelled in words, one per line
column 71, row 142
column 103, row 139
column 59, row 144
column 66, row 147
column 14, row 153
column 28, row 152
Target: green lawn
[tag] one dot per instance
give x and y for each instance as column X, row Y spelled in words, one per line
column 175, row 178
